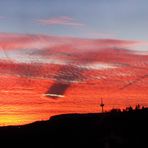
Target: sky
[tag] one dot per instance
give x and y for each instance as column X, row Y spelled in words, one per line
column 61, row 56
column 123, row 19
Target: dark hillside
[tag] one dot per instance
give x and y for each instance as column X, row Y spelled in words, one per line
column 104, row 130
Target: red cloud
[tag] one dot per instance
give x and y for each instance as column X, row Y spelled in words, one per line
column 42, row 48
column 62, row 20
column 25, row 41
column 68, row 50
column 81, row 78
column 53, row 49
column 84, row 60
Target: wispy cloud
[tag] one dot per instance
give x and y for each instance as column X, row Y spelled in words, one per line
column 54, row 49
column 12, row 41
column 62, row 20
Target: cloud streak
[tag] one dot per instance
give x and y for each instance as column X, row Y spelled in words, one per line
column 67, row 60
column 29, row 41
column 62, row 20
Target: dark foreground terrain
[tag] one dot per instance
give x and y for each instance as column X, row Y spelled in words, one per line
column 102, row 130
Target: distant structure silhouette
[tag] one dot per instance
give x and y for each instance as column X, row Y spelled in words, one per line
column 137, row 107
column 102, row 105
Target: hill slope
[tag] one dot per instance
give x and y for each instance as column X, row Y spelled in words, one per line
column 104, row 130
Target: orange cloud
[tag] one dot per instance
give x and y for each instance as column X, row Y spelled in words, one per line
column 62, row 20
column 80, row 70
column 85, row 69
column 37, row 55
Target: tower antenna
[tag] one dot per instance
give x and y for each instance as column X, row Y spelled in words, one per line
column 102, row 105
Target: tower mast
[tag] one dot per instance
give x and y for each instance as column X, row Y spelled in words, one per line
column 102, row 105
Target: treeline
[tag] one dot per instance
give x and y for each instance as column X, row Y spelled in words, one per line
column 138, row 107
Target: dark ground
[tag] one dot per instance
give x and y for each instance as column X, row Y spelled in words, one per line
column 96, row 130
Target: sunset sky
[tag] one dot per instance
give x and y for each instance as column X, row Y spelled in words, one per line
column 62, row 56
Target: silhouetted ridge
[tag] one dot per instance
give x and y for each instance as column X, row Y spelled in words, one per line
column 104, row 130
